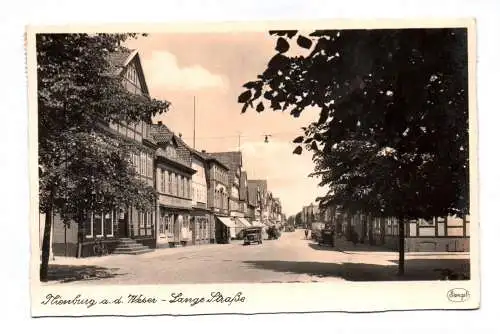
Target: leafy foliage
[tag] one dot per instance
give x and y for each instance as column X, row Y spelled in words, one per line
column 392, row 131
column 82, row 167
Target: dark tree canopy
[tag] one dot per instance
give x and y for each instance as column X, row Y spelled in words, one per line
column 82, row 167
column 391, row 136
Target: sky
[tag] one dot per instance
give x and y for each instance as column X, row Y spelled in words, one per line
column 204, row 72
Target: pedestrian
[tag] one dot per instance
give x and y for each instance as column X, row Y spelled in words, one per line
column 306, row 233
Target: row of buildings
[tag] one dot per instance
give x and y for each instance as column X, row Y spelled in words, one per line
column 442, row 234
column 201, row 197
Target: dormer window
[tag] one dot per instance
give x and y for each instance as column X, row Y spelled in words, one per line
column 171, row 151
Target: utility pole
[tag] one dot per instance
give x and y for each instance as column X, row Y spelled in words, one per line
column 194, row 122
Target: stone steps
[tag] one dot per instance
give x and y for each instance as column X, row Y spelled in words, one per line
column 131, row 247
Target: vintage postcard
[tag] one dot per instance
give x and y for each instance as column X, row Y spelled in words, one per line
column 243, row 168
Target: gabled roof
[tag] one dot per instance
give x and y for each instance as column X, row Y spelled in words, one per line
column 208, row 157
column 161, row 134
column 252, row 194
column 233, row 160
column 261, row 184
column 121, row 58
column 184, row 150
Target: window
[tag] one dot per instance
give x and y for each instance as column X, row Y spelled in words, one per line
column 108, row 224
column 183, row 186
column 162, row 226
column 178, row 185
column 89, row 225
column 174, row 184
column 149, row 166
column 122, row 129
column 148, row 223
column 142, row 223
column 170, row 224
column 98, row 228
column 100, row 224
column 142, row 163
column 135, row 159
column 162, row 176
column 169, row 182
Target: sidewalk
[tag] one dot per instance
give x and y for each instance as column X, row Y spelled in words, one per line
column 348, row 247
column 342, row 245
column 157, row 252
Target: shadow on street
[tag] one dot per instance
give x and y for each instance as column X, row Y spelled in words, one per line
column 422, row 270
column 347, row 246
column 456, row 269
column 72, row 273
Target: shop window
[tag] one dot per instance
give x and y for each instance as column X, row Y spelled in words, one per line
column 89, row 225
column 141, row 223
column 108, row 224
column 162, row 226
column 148, row 223
column 100, row 224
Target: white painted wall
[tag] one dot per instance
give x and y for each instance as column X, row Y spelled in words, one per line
column 198, row 182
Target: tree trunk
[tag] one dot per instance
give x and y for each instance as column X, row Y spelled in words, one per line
column 44, row 267
column 401, row 263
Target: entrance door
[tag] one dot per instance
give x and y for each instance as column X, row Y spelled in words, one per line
column 195, row 228
column 123, row 224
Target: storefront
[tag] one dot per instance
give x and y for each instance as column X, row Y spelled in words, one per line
column 173, row 227
column 225, row 229
column 200, row 227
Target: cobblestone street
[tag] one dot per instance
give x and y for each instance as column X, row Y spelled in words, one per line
column 289, row 259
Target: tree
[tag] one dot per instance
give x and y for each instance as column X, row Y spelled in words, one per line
column 82, row 167
column 391, row 137
column 298, row 219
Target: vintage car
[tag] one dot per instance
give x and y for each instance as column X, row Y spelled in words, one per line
column 327, row 236
column 251, row 235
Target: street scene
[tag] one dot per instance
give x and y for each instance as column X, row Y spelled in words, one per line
column 256, row 157
column 291, row 259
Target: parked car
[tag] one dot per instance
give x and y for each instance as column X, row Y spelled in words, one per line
column 273, row 233
column 252, row 235
column 327, row 236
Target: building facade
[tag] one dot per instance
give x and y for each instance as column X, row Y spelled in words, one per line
column 110, row 228
column 203, row 227
column 222, row 227
column 174, row 186
column 310, row 214
column 440, row 234
column 236, row 200
column 257, row 190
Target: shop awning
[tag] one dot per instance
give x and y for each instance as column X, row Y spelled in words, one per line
column 244, row 222
column 226, row 221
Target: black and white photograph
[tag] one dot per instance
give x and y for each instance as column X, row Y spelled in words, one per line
column 237, row 161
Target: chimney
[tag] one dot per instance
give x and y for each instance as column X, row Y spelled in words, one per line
column 203, row 151
column 180, row 135
column 160, row 123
